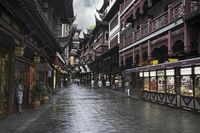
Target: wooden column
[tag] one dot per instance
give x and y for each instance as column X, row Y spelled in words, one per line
column 140, row 52
column 149, row 50
column 124, row 60
column 133, row 55
column 186, row 38
column 170, row 51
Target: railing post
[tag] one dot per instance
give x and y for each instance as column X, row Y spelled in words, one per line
column 169, row 13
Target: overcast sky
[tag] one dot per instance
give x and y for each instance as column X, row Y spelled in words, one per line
column 85, row 10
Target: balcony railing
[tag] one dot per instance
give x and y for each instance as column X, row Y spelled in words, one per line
column 174, row 13
column 178, row 11
column 144, row 30
column 194, row 6
column 125, row 5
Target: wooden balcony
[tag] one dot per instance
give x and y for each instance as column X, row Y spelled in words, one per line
column 124, row 5
column 173, row 14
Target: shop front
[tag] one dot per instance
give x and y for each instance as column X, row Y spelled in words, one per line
column 171, row 98
column 186, row 88
column 23, row 72
column 174, row 84
column 146, row 81
column 161, row 86
column 153, row 86
column 197, row 88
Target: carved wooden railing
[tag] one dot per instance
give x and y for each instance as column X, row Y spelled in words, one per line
column 175, row 12
column 159, row 22
column 145, row 30
column 124, row 5
column 178, row 11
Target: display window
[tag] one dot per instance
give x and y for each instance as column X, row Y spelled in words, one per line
column 153, row 81
column 170, row 86
column 197, row 81
column 146, row 81
column 170, row 81
column 161, row 81
column 186, row 82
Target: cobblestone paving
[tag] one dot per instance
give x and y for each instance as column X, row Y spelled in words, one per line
column 83, row 110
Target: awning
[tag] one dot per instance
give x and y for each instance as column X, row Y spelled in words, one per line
column 194, row 61
column 43, row 67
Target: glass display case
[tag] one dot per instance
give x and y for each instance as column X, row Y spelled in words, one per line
column 186, row 82
column 197, row 81
column 161, row 81
column 146, row 81
column 153, row 81
column 170, row 81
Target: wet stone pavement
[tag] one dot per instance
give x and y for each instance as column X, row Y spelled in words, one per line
column 83, row 110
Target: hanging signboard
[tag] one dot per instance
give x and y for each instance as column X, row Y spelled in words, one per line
column 146, row 74
column 161, row 73
column 186, row 71
column 170, row 72
column 153, row 73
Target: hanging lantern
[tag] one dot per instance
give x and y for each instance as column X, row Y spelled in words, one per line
column 19, row 51
column 55, row 66
column 37, row 59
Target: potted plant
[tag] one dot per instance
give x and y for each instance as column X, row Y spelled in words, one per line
column 36, row 98
column 45, row 94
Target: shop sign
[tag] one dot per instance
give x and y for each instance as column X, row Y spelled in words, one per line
column 172, row 60
column 197, row 70
column 186, row 71
column 155, row 62
column 161, row 73
column 170, row 72
column 146, row 74
column 141, row 74
column 153, row 73
column 19, row 51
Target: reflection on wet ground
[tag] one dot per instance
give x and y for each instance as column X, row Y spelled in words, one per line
column 83, row 110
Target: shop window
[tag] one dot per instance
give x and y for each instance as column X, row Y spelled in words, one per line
column 170, row 87
column 186, row 82
column 197, row 82
column 153, row 81
column 197, row 86
column 146, row 81
column 161, row 81
column 186, row 86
